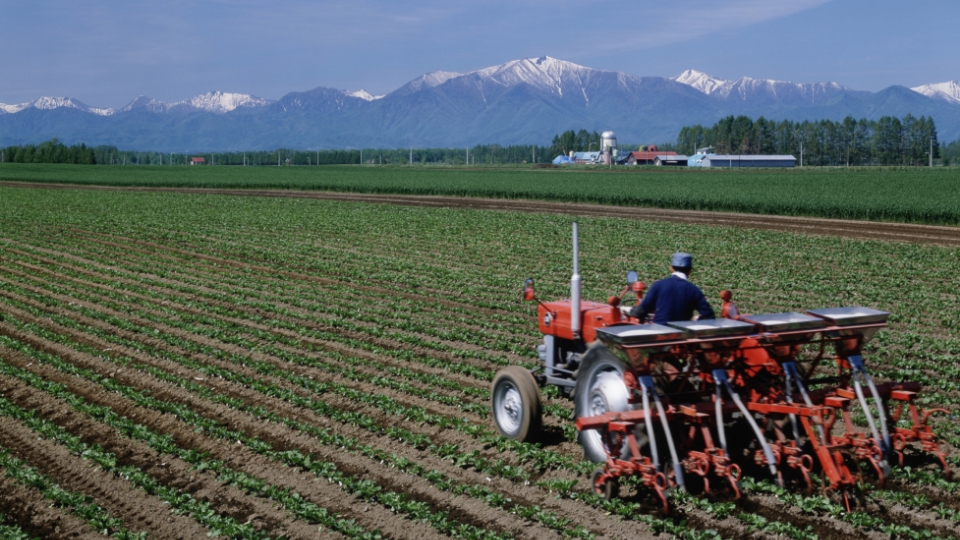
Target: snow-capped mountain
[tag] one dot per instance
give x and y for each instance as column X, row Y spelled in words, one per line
column 429, row 80
column 48, row 103
column 544, row 73
column 701, row 81
column 746, row 88
column 362, row 94
column 148, row 103
column 214, row 102
column 222, row 102
column 947, row 91
column 521, row 101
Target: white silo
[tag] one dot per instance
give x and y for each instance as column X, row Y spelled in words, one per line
column 608, row 146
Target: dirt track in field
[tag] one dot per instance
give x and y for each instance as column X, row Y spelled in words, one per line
column 872, row 230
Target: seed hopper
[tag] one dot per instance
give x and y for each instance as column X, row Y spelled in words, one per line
column 692, row 404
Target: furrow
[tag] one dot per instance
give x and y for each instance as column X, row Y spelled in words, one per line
column 281, row 438
column 138, row 510
column 34, row 515
column 168, row 470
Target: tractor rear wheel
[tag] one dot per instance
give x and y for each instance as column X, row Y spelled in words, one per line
column 516, row 404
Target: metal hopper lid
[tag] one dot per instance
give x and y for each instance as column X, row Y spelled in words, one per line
column 713, row 327
column 636, row 334
column 850, row 316
column 785, row 322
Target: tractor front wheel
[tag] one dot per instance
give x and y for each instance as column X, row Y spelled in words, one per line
column 516, row 404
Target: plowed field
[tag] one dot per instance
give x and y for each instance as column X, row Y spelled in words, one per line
column 175, row 366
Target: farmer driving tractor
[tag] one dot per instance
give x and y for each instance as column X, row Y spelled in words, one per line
column 674, row 298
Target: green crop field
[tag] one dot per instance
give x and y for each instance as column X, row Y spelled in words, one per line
column 318, row 365
column 916, row 195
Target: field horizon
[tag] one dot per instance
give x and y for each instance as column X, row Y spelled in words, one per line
column 893, row 194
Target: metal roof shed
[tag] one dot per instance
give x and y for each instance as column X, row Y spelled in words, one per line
column 672, row 160
column 586, row 157
column 745, row 161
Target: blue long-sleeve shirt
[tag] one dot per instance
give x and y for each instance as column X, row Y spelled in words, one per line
column 673, row 299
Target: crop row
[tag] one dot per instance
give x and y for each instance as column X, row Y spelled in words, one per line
column 336, row 321
column 11, row 532
column 453, row 451
column 363, row 489
column 179, row 501
column 843, row 193
column 826, row 293
column 219, row 307
column 540, row 458
column 227, row 330
column 78, row 504
column 445, row 452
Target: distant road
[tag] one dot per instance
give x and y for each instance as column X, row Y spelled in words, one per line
column 900, row 232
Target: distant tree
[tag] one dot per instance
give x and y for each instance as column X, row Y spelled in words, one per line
column 887, row 141
column 52, row 151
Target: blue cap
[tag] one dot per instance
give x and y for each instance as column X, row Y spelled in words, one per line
column 681, row 260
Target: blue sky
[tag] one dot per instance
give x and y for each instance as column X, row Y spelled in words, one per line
column 105, row 53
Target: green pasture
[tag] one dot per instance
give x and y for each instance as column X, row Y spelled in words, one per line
column 916, row 195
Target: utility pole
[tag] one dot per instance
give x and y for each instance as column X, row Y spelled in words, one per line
column 468, row 155
column 801, row 154
column 411, row 156
column 931, row 151
column 361, row 157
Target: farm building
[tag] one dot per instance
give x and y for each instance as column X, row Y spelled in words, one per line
column 670, row 160
column 586, row 157
column 198, row 161
column 740, row 160
column 644, row 158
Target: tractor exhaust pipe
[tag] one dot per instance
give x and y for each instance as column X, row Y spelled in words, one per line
column 575, row 285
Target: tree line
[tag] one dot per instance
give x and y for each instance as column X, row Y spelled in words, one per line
column 52, row 151
column 887, row 141
column 485, row 154
column 950, row 153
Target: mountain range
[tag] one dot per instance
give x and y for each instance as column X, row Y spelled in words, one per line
column 520, row 102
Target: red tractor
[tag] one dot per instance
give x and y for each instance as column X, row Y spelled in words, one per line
column 693, row 401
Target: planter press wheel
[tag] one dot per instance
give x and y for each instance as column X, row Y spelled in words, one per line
column 610, row 489
column 516, row 404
